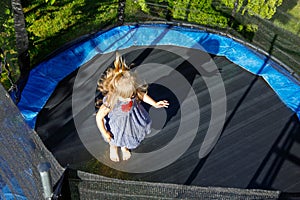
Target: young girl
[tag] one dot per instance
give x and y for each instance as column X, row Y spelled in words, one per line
column 128, row 123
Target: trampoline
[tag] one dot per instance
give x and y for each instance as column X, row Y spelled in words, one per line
column 233, row 119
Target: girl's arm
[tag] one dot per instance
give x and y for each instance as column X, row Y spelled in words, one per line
column 147, row 99
column 102, row 112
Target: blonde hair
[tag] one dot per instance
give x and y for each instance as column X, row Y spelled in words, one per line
column 120, row 82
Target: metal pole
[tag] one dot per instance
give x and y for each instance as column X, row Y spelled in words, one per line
column 121, row 12
column 44, row 169
column 22, row 44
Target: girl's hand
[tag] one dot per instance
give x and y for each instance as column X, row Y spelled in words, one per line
column 147, row 99
column 107, row 135
column 161, row 104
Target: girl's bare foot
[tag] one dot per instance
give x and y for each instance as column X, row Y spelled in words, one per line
column 125, row 153
column 113, row 153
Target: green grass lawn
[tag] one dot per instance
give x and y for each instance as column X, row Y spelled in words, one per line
column 289, row 17
column 51, row 26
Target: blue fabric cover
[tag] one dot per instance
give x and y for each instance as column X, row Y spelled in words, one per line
column 44, row 78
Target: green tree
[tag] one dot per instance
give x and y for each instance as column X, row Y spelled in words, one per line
column 263, row 8
column 51, row 1
column 8, row 53
column 197, row 11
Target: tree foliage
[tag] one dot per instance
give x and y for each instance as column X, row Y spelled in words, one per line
column 51, row 26
column 51, row 1
column 8, row 53
column 202, row 12
column 263, row 8
column 215, row 13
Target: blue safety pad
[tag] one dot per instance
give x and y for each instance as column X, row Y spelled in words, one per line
column 44, row 78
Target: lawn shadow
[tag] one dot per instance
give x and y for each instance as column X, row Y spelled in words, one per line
column 282, row 12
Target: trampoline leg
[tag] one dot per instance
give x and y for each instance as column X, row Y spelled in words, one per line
column 44, row 169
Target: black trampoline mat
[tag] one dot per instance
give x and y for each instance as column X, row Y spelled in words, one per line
column 258, row 147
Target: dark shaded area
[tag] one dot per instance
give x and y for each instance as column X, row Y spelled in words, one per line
column 281, row 151
column 281, row 13
column 24, row 63
column 56, row 128
column 289, row 196
column 61, row 190
column 257, row 149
